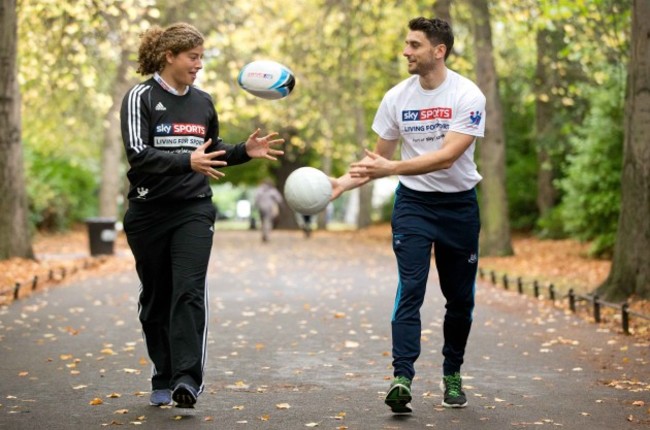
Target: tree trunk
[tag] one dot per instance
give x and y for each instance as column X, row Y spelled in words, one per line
column 15, row 239
column 112, row 152
column 495, row 230
column 442, row 10
column 548, row 45
column 281, row 171
column 630, row 272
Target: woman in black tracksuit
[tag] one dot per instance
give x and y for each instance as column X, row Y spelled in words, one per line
column 170, row 131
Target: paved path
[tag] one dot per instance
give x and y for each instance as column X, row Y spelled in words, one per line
column 300, row 338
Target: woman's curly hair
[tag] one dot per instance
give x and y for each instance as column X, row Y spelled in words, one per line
column 156, row 41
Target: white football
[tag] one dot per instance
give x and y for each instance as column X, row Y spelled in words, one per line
column 267, row 79
column 307, row 190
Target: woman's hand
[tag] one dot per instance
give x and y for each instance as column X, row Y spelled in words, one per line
column 205, row 163
column 261, row 147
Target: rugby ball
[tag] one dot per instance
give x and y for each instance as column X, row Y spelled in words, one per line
column 267, row 79
column 307, row 190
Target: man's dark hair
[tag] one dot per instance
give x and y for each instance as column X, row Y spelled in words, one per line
column 437, row 31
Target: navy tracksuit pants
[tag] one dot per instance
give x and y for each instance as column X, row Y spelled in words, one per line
column 448, row 222
column 171, row 244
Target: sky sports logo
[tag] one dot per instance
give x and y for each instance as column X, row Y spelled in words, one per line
column 177, row 129
column 426, row 114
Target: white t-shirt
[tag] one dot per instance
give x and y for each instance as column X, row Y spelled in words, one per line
column 423, row 117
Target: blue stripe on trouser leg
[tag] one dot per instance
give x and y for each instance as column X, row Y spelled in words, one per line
column 413, row 254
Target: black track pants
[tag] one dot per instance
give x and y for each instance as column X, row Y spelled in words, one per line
column 171, row 245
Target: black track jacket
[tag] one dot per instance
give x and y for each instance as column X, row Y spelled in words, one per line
column 160, row 130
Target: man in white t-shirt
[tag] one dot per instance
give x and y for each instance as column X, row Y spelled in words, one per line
column 437, row 114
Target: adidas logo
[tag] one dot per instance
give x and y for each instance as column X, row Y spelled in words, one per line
column 160, row 106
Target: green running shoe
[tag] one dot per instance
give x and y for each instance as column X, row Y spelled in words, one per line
column 399, row 395
column 452, row 386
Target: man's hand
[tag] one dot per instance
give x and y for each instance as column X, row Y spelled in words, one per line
column 373, row 166
column 205, row 163
column 337, row 188
column 261, row 147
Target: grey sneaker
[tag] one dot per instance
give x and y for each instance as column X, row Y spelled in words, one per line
column 185, row 395
column 161, row 398
column 452, row 386
column 399, row 397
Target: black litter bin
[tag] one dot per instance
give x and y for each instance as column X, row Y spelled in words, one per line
column 101, row 235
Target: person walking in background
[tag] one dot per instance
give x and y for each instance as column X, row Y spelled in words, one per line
column 306, row 225
column 437, row 114
column 267, row 201
column 170, row 131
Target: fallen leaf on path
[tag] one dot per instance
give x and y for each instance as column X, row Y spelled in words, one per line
column 121, row 411
column 96, row 401
column 114, row 396
column 283, row 406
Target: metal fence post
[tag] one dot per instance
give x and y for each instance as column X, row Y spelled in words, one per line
column 625, row 317
column 34, row 282
column 551, row 291
column 520, row 285
column 16, row 290
column 505, row 282
column 493, row 277
column 481, row 273
column 597, row 308
column 536, row 288
column 572, row 300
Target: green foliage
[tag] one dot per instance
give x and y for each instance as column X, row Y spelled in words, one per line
column 592, row 185
column 551, row 225
column 346, row 55
column 521, row 158
column 61, row 191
